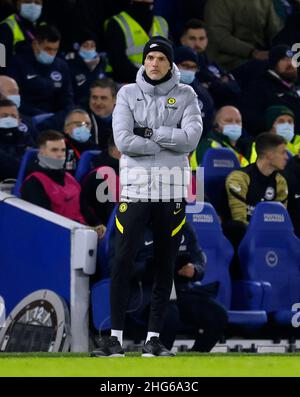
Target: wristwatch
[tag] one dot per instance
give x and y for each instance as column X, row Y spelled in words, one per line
column 148, row 132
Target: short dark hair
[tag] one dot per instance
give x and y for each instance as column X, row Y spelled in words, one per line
column 47, row 33
column 105, row 83
column 4, row 103
column 49, row 135
column 193, row 23
column 267, row 141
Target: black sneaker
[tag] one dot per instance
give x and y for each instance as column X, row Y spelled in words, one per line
column 108, row 347
column 154, row 348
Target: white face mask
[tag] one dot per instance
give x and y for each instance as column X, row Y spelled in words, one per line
column 8, row 122
column 232, row 131
column 31, row 11
column 286, row 130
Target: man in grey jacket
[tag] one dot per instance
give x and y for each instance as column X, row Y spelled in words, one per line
column 156, row 124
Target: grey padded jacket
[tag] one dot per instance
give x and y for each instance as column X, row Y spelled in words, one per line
column 171, row 109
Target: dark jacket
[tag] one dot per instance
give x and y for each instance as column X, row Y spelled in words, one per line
column 74, row 149
column 266, row 91
column 292, row 174
column 94, row 212
column 210, row 75
column 13, row 143
column 206, row 104
column 44, row 88
column 82, row 76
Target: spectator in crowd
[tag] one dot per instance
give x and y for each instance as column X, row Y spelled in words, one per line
column 290, row 34
column 101, row 104
column 292, row 174
column 280, row 120
column 195, row 308
column 125, row 50
column 19, row 28
column 13, row 141
column 86, row 65
column 239, row 31
column 106, row 166
column 9, row 90
column 226, row 133
column 277, row 86
column 43, row 78
column 50, row 186
column 220, row 84
column 261, row 181
column 78, row 138
column 186, row 61
column 178, row 12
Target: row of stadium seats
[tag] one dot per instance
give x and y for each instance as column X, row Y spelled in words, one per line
column 270, row 258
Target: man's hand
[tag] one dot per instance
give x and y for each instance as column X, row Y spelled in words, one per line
column 144, row 132
column 187, row 271
column 100, row 230
column 260, row 55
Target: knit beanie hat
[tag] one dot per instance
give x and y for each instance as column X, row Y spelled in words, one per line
column 161, row 44
column 277, row 53
column 184, row 53
column 273, row 112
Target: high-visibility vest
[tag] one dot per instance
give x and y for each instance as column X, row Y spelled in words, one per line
column 136, row 37
column 18, row 35
column 216, row 145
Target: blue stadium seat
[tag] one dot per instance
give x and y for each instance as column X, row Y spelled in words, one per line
column 36, row 120
column 29, row 157
column 270, row 252
column 84, row 165
column 100, row 304
column 219, row 252
column 217, row 163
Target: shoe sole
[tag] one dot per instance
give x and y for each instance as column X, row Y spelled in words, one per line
column 111, row 355
column 149, row 355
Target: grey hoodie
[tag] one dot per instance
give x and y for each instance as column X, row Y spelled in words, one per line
column 171, row 109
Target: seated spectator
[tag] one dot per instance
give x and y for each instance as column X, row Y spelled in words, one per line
column 277, row 86
column 13, row 141
column 186, row 60
column 195, row 308
column 19, row 29
column 43, row 78
column 220, row 84
column 9, row 90
column 126, row 35
column 226, row 133
column 239, row 31
column 101, row 104
column 86, row 66
column 261, row 181
column 280, row 121
column 95, row 211
column 78, row 138
column 292, row 174
column 49, row 185
column 290, row 33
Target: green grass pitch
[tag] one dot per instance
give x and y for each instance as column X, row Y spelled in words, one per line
column 77, row 365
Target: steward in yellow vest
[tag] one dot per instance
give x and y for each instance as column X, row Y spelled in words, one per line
column 126, row 35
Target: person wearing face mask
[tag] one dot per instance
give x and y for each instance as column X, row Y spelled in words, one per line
column 277, row 86
column 100, row 106
column 19, row 29
column 77, row 133
column 226, row 133
column 186, row 60
column 13, row 142
column 280, row 120
column 86, row 65
column 44, row 79
column 126, row 35
column 9, row 89
column 49, row 186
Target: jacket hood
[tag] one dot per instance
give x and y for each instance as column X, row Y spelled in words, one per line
column 160, row 89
